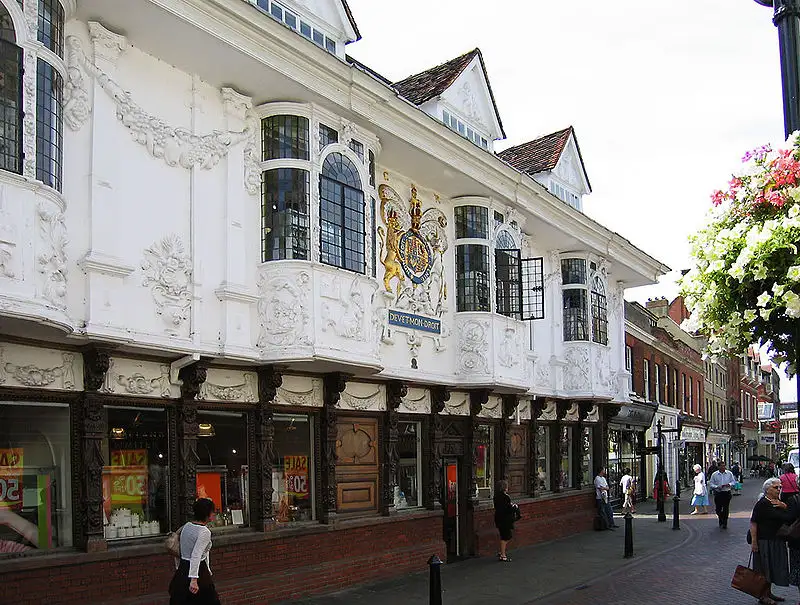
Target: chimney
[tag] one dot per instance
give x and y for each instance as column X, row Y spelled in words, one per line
column 658, row 306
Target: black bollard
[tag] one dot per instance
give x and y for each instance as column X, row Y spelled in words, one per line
column 435, row 563
column 628, row 535
column 676, row 512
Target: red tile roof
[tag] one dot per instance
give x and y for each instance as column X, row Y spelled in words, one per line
column 538, row 155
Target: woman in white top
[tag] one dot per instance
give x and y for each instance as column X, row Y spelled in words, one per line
column 700, row 498
column 192, row 581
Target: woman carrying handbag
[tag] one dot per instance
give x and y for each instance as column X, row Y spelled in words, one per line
column 769, row 551
column 192, row 583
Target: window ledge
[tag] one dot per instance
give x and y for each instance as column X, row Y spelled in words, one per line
column 571, row 493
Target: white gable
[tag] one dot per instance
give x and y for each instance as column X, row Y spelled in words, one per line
column 569, row 169
column 328, row 14
column 468, row 97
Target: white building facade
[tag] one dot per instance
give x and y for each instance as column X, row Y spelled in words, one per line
column 236, row 265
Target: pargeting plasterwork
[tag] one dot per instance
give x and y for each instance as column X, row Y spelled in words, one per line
column 363, row 397
column 573, row 413
column 130, row 377
column 8, row 239
column 416, row 401
column 493, row 408
column 604, row 378
column 549, row 411
column 26, row 372
column 577, row 369
column 176, row 146
column 52, row 259
column 457, row 405
column 29, row 98
column 283, row 310
column 241, row 107
column 469, row 104
column 168, row 272
column 412, row 246
column 509, row 352
column 77, row 106
column 566, row 168
column 301, row 391
column 524, row 409
column 343, row 308
column 541, row 372
column 228, row 385
column 473, row 346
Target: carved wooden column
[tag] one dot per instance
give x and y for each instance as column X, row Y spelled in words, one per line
column 537, row 406
column 509, row 406
column 192, row 378
column 562, row 407
column 93, row 429
column 333, row 386
column 269, row 379
column 477, row 399
column 609, row 412
column 395, row 391
column 434, row 494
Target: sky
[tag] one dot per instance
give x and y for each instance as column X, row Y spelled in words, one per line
column 665, row 97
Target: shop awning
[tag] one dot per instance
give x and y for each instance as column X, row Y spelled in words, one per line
column 635, row 414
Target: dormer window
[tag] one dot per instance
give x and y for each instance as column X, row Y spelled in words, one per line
column 282, row 14
column 453, row 123
column 565, row 195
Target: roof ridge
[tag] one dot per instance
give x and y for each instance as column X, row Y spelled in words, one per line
column 462, row 56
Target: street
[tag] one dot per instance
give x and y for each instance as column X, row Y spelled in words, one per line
column 693, row 564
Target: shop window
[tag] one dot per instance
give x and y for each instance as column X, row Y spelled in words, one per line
column 409, row 449
column 623, row 452
column 284, row 137
column 565, row 480
column 543, row 459
column 136, row 475
column 222, row 467
column 484, row 450
column 342, row 220
column 293, row 470
column 284, row 214
column 35, row 505
column 587, row 448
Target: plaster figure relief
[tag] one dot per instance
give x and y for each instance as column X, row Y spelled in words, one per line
column 602, row 368
column 283, row 309
column 473, row 347
column 510, row 350
column 343, row 309
column 8, row 239
column 53, row 257
column 576, row 370
column 469, row 104
column 541, row 373
column 168, row 272
column 549, row 411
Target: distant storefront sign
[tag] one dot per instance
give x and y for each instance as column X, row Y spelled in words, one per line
column 693, row 434
column 766, row 439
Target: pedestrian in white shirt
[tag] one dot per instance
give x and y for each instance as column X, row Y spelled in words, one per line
column 721, row 483
column 626, row 484
column 601, row 494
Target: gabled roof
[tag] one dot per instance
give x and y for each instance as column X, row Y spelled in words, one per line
column 350, row 18
column 432, row 82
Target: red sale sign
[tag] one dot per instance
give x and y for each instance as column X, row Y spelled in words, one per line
column 11, row 467
column 296, row 471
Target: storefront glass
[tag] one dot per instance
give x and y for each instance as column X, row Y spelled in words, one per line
column 222, row 469
column 484, row 438
column 35, row 504
column 136, row 474
column 293, row 470
column 565, row 480
column 409, row 449
column 623, row 452
column 543, row 459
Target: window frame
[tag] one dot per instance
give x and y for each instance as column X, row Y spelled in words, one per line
column 347, row 258
column 646, row 378
column 298, row 252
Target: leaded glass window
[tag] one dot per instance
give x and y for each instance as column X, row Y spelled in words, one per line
column 284, row 214
column 285, row 137
column 576, row 324
column 10, row 96
column 472, row 277
column 51, row 25
column 327, row 136
column 342, row 220
column 49, row 124
column 599, row 312
column 472, row 222
column 573, row 271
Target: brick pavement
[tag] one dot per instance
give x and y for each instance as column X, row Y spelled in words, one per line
column 690, row 565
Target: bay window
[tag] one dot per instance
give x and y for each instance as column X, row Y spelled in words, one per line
column 472, row 258
column 284, row 214
column 284, row 136
column 10, row 96
column 585, row 306
column 342, row 214
column 599, row 311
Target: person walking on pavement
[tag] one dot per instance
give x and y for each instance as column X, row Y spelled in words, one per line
column 737, row 474
column 722, row 482
column 626, row 484
column 601, row 494
column 192, row 581
column 700, row 498
column 770, row 555
column 503, row 517
column 789, row 489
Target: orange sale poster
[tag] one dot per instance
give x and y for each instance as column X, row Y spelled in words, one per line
column 128, row 480
column 11, row 467
column 296, row 470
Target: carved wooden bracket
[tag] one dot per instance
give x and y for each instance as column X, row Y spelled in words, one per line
column 192, row 378
column 269, row 379
column 395, row 391
column 440, row 395
column 562, row 407
column 510, row 403
column 95, row 365
column 477, row 399
column 537, row 407
column 584, row 409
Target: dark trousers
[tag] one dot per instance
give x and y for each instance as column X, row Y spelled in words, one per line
column 722, row 501
column 606, row 513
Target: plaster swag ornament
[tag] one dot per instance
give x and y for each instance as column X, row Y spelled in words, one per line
column 176, row 146
column 168, row 272
column 283, row 309
column 31, row 375
column 246, row 392
column 52, row 259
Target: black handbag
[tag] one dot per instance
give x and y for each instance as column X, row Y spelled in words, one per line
column 516, row 511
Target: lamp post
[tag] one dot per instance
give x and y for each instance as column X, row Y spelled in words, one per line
column 786, row 18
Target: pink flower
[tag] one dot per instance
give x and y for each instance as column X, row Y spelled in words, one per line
column 718, row 197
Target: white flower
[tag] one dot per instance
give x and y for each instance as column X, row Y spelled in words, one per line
column 763, row 299
column 749, row 315
column 765, row 313
column 793, row 273
column 792, row 301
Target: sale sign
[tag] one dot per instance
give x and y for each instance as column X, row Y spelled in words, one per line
column 11, row 467
column 128, row 477
column 295, row 469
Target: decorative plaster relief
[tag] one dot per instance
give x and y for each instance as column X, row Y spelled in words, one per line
column 77, row 107
column 29, row 101
column 176, row 146
column 524, row 409
column 473, row 347
column 416, row 401
column 542, row 373
column 32, row 367
column 283, row 309
column 594, row 414
column 363, row 397
column 229, row 385
column 8, row 238
column 469, row 105
column 342, row 308
column 549, row 412
column 53, row 258
column 604, row 379
column 510, row 350
column 493, row 408
column 300, row 391
column 168, row 271
column 457, row 405
column 577, row 368
column 572, row 413
column 131, row 377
